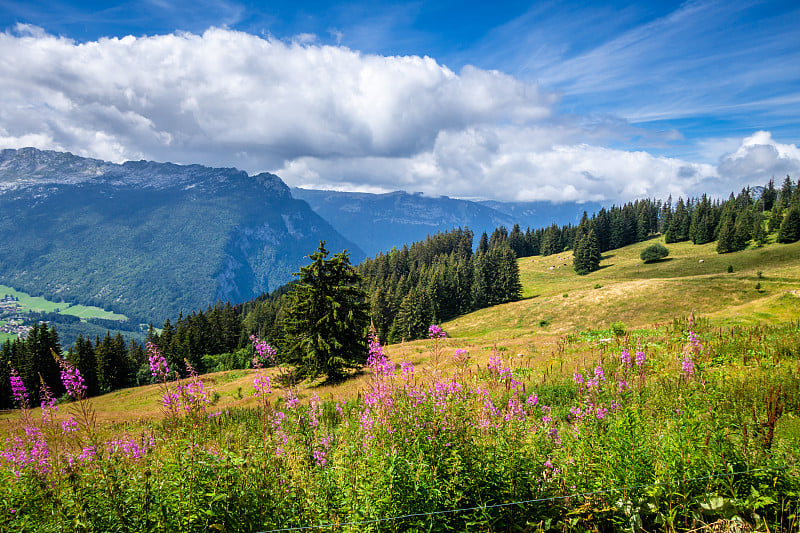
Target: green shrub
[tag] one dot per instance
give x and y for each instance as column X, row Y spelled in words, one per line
column 654, row 252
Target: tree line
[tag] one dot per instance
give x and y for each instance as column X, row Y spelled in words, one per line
column 404, row 290
column 409, row 289
column 208, row 340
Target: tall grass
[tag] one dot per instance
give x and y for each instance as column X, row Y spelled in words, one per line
column 656, row 432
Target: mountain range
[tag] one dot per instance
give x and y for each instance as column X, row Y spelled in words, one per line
column 379, row 222
column 152, row 240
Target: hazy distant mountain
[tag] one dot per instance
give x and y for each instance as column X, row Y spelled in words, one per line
column 378, row 222
column 149, row 239
column 542, row 214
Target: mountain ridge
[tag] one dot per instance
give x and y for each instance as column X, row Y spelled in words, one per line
column 379, row 222
column 176, row 237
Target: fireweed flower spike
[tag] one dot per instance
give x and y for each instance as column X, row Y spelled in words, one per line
column 264, row 353
column 158, row 365
column 641, row 359
column 18, row 390
column 49, row 407
column 687, row 367
column 72, row 380
column 435, row 332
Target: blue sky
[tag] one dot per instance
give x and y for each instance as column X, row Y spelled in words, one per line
column 549, row 100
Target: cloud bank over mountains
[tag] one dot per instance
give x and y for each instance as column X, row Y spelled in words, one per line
column 330, row 117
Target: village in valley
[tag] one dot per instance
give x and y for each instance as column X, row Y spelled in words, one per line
column 11, row 319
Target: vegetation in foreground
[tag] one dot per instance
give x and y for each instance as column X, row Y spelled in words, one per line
column 670, row 428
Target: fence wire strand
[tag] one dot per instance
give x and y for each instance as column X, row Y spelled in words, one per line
column 523, row 502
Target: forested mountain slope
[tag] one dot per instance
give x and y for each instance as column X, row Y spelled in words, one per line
column 150, row 240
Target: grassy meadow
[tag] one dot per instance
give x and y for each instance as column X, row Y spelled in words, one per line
column 41, row 304
column 596, row 403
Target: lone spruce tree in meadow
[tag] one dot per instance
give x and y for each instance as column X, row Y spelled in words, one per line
column 587, row 254
column 326, row 318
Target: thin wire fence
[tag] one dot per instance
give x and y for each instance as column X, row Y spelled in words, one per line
column 523, row 502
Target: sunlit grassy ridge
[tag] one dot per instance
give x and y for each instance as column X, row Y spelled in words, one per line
column 627, row 290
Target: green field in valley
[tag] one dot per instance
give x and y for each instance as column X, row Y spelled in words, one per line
column 40, row 304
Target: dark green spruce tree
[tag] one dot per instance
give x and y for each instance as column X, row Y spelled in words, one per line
column 790, row 227
column 326, row 318
column 726, row 241
column 587, row 254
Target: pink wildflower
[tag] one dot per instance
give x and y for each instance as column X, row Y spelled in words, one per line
column 18, row 390
column 72, row 380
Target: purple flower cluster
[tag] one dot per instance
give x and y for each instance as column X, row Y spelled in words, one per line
column 30, row 453
column 435, row 332
column 18, row 390
column 262, row 386
column 687, row 367
column 641, row 359
column 625, row 357
column 158, row 365
column 49, row 407
column 69, row 426
column 376, row 360
column 321, row 452
column 265, row 354
column 72, row 380
column 497, row 368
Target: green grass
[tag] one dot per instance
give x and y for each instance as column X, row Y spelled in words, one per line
column 40, row 304
column 90, row 311
column 639, row 294
column 224, row 472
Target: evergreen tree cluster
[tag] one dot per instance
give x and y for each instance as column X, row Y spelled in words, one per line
column 206, row 339
column 32, row 358
column 218, row 330
column 408, row 289
column 107, row 364
column 614, row 227
column 438, row 279
column 737, row 221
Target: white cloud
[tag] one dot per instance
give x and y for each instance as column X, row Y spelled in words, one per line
column 202, row 97
column 759, row 158
column 328, row 116
column 512, row 163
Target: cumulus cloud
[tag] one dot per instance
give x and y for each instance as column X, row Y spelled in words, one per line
column 511, row 163
column 759, row 158
column 329, row 116
column 206, row 96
